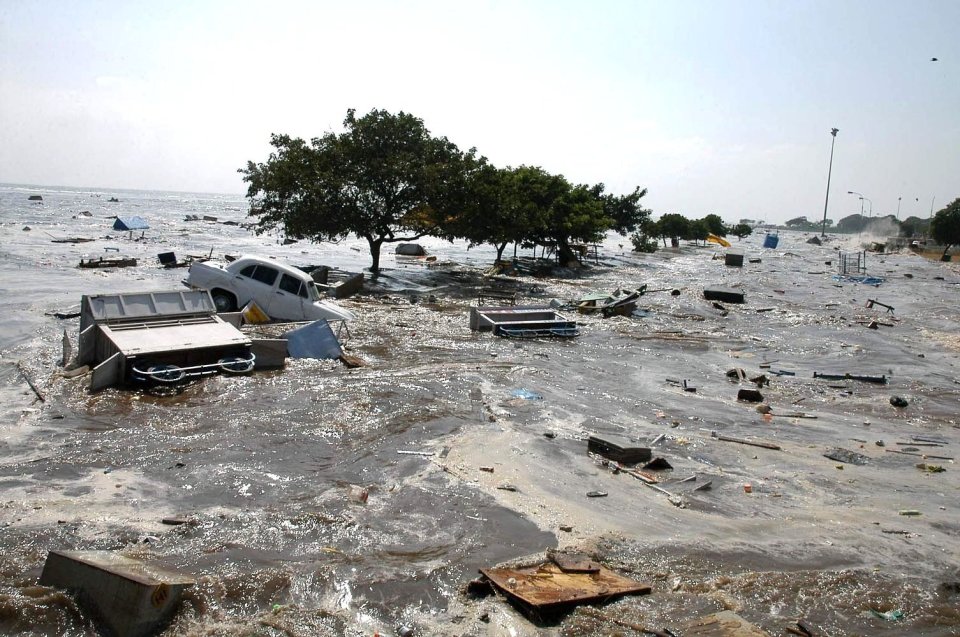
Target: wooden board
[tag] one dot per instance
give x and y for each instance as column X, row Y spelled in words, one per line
column 547, row 586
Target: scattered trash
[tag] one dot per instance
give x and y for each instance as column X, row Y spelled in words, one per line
column 706, row 486
column 350, row 361
column 734, row 258
column 169, row 260
column 253, row 315
column 872, row 302
column 131, row 224
column 722, row 624
column 899, row 401
column 771, row 241
column 658, row 464
column 507, row 487
column 736, row 374
column 909, row 512
column 844, row 455
column 26, row 377
column 596, row 494
column 526, row 394
column 618, row 449
column 748, row 488
column 920, row 455
column 743, row 441
column 487, row 469
column 101, row 262
column 750, row 396
column 880, row 380
column 931, row 468
column 410, row 250
column 549, row 434
column 358, row 494
column 617, row 303
column 404, row 452
column 890, row 615
column 314, row 340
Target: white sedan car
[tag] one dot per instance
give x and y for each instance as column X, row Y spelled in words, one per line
column 283, row 292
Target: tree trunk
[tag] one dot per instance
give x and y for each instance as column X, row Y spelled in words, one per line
column 565, row 254
column 375, row 245
column 943, row 257
column 500, row 250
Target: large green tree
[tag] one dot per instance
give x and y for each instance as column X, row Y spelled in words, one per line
column 624, row 211
column 715, row 225
column 945, row 226
column 385, row 178
column 741, row 230
column 674, row 226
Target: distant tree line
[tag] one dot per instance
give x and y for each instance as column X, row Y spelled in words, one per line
column 387, row 179
column 909, row 227
column 676, row 227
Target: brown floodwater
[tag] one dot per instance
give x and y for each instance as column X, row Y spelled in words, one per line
column 264, row 465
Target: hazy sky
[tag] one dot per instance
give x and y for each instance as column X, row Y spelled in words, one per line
column 714, row 106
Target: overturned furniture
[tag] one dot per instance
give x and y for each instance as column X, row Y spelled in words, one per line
column 525, row 321
column 158, row 337
column 128, row 598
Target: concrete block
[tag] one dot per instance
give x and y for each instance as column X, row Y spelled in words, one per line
column 722, row 294
column 618, row 449
column 734, row 257
column 126, row 597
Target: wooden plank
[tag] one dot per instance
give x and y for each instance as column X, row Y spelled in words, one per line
column 547, row 586
column 752, row 443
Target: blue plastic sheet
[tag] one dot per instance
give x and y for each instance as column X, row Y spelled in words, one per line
column 314, row 340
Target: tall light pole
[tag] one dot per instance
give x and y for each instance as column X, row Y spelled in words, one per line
column 898, row 208
column 860, row 195
column 826, row 201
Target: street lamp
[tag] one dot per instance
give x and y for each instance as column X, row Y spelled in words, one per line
column 826, row 201
column 898, row 208
column 862, row 199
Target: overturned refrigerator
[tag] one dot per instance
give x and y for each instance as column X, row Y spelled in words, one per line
column 158, row 338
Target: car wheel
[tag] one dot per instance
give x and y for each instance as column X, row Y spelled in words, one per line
column 224, row 301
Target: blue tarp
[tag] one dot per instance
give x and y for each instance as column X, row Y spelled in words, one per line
column 131, row 223
column 315, row 340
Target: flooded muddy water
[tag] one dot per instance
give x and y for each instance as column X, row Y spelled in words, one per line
column 266, row 468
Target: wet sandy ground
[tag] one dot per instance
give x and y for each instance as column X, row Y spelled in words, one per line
column 263, row 466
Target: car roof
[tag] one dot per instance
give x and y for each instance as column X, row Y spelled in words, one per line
column 251, row 259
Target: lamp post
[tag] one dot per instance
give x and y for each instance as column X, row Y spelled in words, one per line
column 860, row 195
column 898, row 208
column 826, row 201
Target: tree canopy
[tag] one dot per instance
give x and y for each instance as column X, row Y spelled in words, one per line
column 384, row 179
column 945, row 226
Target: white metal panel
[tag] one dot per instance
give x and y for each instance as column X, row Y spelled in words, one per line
column 151, row 338
column 109, row 372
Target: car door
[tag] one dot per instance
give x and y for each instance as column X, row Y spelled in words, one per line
column 289, row 298
column 256, row 282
